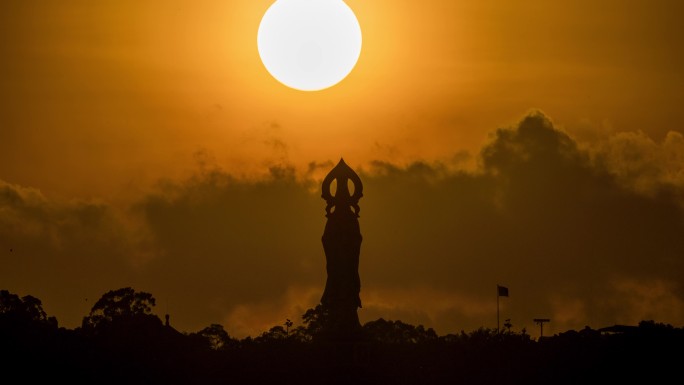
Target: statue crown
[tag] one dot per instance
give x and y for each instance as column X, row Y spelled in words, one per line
column 342, row 199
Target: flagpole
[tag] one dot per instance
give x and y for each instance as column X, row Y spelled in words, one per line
column 497, row 309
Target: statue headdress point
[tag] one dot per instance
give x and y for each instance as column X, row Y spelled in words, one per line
column 342, row 200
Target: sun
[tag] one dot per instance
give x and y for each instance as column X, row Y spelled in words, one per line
column 309, row 45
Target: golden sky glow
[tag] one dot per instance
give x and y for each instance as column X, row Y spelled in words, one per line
column 115, row 115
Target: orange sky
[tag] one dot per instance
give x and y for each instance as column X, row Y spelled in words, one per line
column 100, row 101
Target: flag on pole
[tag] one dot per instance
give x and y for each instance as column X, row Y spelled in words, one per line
column 503, row 291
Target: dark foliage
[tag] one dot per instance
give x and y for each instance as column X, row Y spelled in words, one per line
column 121, row 341
column 124, row 305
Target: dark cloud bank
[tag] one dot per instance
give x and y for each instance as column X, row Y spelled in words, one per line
column 574, row 236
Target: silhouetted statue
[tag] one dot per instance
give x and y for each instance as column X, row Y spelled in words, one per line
column 342, row 246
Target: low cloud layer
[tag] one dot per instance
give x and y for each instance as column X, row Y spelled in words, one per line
column 584, row 234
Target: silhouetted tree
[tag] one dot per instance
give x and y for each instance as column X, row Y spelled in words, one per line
column 481, row 336
column 397, row 332
column 288, row 325
column 276, row 333
column 314, row 320
column 508, row 325
column 124, row 304
column 24, row 309
column 651, row 326
column 215, row 337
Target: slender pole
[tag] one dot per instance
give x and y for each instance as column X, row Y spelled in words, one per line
column 497, row 309
column 541, row 322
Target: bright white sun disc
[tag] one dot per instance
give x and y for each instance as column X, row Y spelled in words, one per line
column 309, row 45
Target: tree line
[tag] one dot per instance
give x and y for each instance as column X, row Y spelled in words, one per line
column 122, row 341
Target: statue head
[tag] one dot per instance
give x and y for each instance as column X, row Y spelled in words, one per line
column 343, row 201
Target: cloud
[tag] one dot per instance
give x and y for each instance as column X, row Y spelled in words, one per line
column 641, row 163
column 582, row 234
column 229, row 243
column 62, row 252
column 541, row 216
